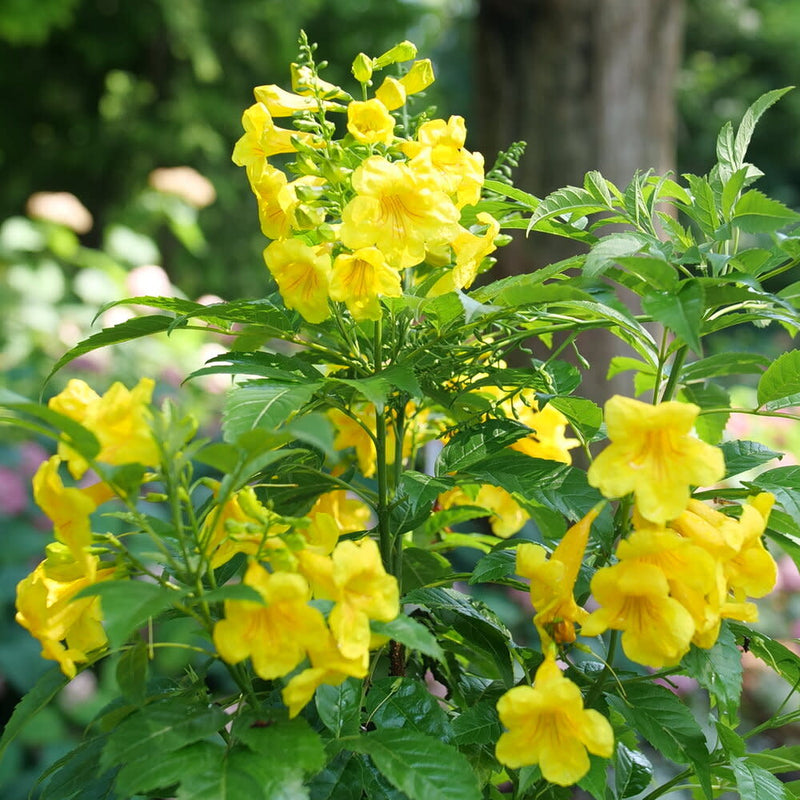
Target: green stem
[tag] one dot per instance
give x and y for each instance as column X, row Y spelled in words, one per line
column 597, row 688
column 382, row 506
column 674, row 373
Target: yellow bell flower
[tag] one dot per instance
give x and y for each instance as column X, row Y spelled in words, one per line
column 67, row 628
column 506, row 516
column 419, row 77
column 634, row 597
column 653, row 454
column 549, row 440
column 396, row 211
column 69, row 508
column 120, row 420
column 391, row 93
column 553, row 581
column 369, row 122
column 359, row 279
column 276, row 634
column 280, row 103
column 303, row 276
column 549, row 726
column 328, row 666
column 332, row 515
column 356, row 433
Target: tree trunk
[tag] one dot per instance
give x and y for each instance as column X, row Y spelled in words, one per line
column 588, row 84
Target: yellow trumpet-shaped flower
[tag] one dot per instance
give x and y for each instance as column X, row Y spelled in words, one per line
column 67, row 628
column 553, row 581
column 280, row 103
column 634, row 597
column 369, row 122
column 275, row 634
column 398, row 212
column 549, row 726
column 653, row 454
column 549, row 439
column 69, row 509
column 120, row 420
column 303, row 276
column 332, row 515
column 359, row 279
column 355, row 579
column 506, row 516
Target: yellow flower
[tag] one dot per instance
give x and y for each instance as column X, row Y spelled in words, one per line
column 280, row 103
column 328, row 666
column 549, row 440
column 303, row 275
column 358, row 434
column 653, row 454
column 359, row 279
column 119, row 419
column 393, row 92
column 634, row 597
column 332, row 515
column 548, row 725
column 553, row 581
column 275, row 634
column 398, row 212
column 506, row 518
column 369, row 122
column 69, row 508
column 355, row 579
column 47, row 609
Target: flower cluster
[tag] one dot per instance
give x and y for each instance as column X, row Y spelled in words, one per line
column 360, row 211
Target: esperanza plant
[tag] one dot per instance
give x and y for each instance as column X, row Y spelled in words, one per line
column 388, row 418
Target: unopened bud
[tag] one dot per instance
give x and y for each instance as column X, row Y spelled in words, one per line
column 419, row 77
column 404, row 51
column 362, row 68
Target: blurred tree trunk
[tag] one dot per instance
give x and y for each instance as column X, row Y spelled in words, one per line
column 588, row 84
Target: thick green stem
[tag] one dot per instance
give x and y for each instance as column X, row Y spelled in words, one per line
column 382, row 506
column 674, row 373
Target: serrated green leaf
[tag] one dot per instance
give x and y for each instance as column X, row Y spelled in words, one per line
column 471, row 446
column 567, row 201
column 76, row 774
column 478, row 724
column 741, row 456
column 594, row 781
column 781, row 382
column 659, row 716
column 341, row 779
column 750, row 119
column 784, row 483
column 755, row 783
column 776, row 760
column 134, row 328
column 735, row 363
column 412, row 634
column 45, row 689
column 680, row 312
column 523, row 289
column 223, row 780
column 756, row 213
column 499, row 564
column 420, row 766
column 605, row 253
column 584, row 416
column 633, row 772
column 655, row 272
column 263, row 405
column 131, row 672
column 403, row 703
column 709, row 427
column 703, row 209
column 718, row 669
column 233, row 591
column 775, row 655
column 421, row 568
column 339, row 707
column 128, row 604
column 284, row 742
column 161, row 727
column 415, row 495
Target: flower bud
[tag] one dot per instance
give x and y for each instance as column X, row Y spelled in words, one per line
column 419, row 77
column 362, row 68
column 404, row 51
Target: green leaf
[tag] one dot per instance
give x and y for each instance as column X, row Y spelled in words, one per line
column 134, row 328
column 128, row 604
column 784, row 530
column 718, row 669
column 725, row 364
column 779, row 386
column 404, row 703
column 409, row 632
column 709, row 427
column 741, row 456
column 341, row 779
column 749, row 120
column 479, row 724
column 659, row 716
column 233, row 591
column 755, row 783
column 606, row 252
column 263, row 405
column 421, row 766
column 421, row 567
column 584, row 415
column 656, row 272
column 46, row 688
column 594, row 781
column 499, row 564
column 757, row 213
column 131, row 672
column 415, row 495
column 681, row 311
column 775, row 655
column 784, row 483
column 161, row 727
column 471, row 446
column 703, row 209
column 78, row 774
column 776, row 760
column 225, row 779
column 567, row 201
column 633, row 772
column 339, row 707
column 285, row 742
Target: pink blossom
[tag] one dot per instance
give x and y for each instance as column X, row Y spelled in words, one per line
column 13, row 492
column 788, row 576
